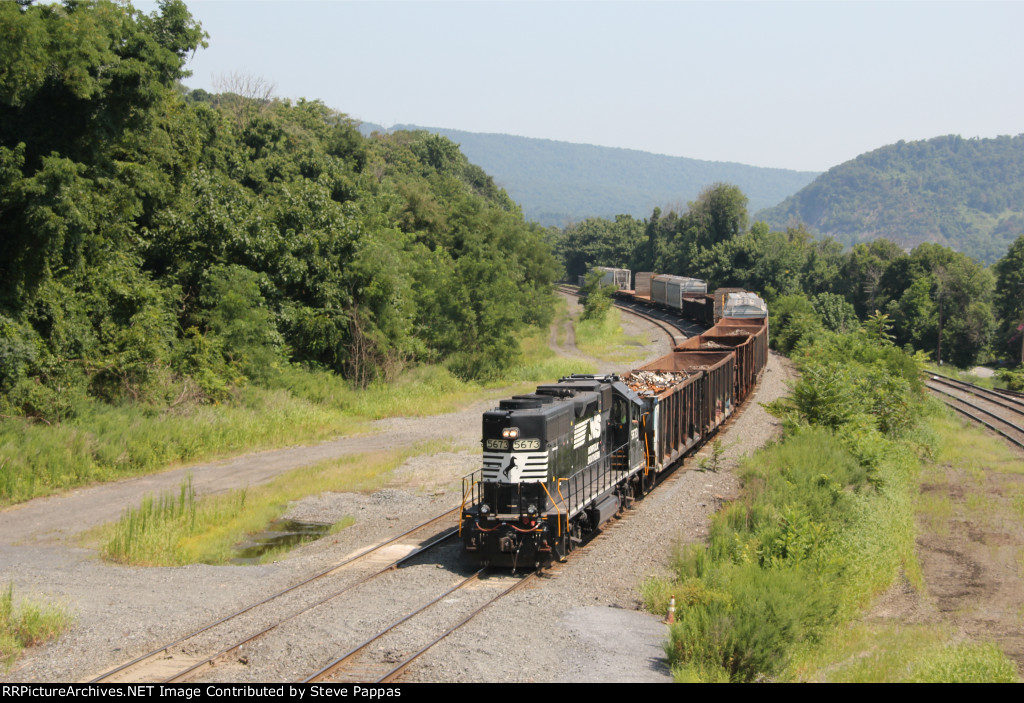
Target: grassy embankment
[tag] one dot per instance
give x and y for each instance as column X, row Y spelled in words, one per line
column 826, row 522
column 988, row 480
column 604, row 339
column 27, row 624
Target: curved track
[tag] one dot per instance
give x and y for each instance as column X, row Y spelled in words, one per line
column 999, row 411
column 677, row 329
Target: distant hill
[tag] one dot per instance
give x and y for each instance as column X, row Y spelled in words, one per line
column 559, row 182
column 967, row 194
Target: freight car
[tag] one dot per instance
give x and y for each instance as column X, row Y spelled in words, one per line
column 617, row 279
column 559, row 462
column 687, row 297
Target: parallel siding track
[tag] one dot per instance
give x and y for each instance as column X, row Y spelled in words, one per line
column 999, row 411
column 677, row 329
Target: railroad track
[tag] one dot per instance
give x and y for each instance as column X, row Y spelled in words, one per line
column 999, row 411
column 677, row 329
column 374, row 660
column 204, row 649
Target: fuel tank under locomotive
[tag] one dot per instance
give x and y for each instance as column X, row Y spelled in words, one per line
column 556, row 464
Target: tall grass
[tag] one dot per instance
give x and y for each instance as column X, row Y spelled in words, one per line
column 104, row 442
column 178, row 528
column 109, row 442
column 28, row 624
column 825, row 522
column 541, row 363
column 605, row 339
column 875, row 651
column 811, row 540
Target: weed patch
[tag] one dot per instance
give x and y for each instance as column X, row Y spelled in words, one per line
column 26, row 625
column 824, row 523
column 179, row 528
column 881, row 652
column 605, row 339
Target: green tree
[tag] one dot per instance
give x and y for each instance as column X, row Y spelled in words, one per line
column 719, row 213
column 1009, row 300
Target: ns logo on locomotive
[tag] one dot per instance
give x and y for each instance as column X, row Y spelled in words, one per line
column 559, row 462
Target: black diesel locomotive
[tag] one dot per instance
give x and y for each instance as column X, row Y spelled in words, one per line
column 559, row 462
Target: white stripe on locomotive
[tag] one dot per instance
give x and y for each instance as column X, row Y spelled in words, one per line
column 515, row 467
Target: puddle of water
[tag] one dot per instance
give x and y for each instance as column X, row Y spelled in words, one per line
column 279, row 533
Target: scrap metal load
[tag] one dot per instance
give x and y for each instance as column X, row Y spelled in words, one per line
column 651, row 383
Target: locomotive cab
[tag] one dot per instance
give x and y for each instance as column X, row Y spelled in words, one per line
column 554, row 465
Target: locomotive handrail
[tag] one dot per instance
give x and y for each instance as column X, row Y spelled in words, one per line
column 462, row 506
column 562, row 498
column 557, row 510
column 579, row 482
column 647, row 446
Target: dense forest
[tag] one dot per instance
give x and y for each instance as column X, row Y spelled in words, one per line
column 967, row 194
column 157, row 243
column 559, row 182
column 160, row 244
column 932, row 299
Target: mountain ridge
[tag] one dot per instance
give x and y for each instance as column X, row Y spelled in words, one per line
column 967, row 194
column 558, row 182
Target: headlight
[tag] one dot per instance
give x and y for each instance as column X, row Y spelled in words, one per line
column 531, row 510
column 485, row 509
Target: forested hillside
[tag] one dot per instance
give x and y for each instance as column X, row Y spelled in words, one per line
column 159, row 245
column 558, row 182
column 967, row 194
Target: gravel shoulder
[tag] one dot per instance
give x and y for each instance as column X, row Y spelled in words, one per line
column 971, row 555
column 582, row 624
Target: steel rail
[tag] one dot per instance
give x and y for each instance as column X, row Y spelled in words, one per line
column 163, row 649
column 397, row 671
column 1009, row 402
column 672, row 331
column 212, row 659
column 338, row 663
column 979, row 408
column 1007, row 392
column 976, row 418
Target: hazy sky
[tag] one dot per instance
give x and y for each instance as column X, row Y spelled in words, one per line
column 802, row 85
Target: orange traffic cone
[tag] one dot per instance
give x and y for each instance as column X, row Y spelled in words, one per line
column 670, row 619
